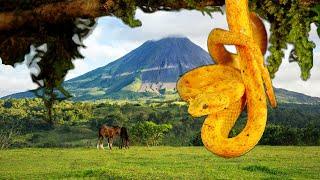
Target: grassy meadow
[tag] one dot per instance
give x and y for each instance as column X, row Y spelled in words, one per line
column 271, row 162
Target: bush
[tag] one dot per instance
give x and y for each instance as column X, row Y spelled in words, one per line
column 279, row 135
column 196, row 140
column 6, row 138
column 150, row 133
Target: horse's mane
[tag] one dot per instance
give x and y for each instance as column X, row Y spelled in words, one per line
column 116, row 126
column 109, row 126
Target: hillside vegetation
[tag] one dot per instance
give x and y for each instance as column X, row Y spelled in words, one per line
column 23, row 123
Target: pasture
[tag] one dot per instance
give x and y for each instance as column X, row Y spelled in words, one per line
column 159, row 162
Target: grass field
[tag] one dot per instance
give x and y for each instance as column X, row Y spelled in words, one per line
column 160, row 162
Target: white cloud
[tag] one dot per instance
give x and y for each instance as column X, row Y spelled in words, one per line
column 13, row 80
column 81, row 67
column 161, row 24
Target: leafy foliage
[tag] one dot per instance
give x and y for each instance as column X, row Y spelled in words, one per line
column 8, row 133
column 316, row 9
column 150, row 133
column 54, row 51
column 290, row 24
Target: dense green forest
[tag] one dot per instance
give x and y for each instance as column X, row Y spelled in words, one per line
column 23, row 123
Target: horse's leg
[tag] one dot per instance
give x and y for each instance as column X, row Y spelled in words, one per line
column 110, row 143
column 120, row 144
column 123, row 143
column 127, row 144
column 99, row 142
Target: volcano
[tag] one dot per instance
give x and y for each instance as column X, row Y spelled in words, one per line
column 154, row 67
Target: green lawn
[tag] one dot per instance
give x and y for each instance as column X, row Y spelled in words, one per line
column 160, row 162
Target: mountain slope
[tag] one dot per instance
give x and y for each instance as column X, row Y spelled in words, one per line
column 150, row 70
column 152, row 67
column 287, row 96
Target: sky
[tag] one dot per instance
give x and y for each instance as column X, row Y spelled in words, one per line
column 111, row 39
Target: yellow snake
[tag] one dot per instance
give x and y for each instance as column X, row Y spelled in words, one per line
column 223, row 90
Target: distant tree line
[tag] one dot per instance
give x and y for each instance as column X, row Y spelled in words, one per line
column 23, row 123
column 277, row 135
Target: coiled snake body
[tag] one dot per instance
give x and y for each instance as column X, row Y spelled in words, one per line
column 222, row 91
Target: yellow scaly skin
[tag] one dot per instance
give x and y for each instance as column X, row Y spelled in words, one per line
column 222, row 91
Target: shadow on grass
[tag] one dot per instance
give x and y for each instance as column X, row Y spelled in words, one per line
column 92, row 173
column 263, row 169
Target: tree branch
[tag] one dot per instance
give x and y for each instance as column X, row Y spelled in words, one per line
column 57, row 10
column 52, row 12
column 169, row 5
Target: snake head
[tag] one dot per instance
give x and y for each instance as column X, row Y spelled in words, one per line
column 210, row 89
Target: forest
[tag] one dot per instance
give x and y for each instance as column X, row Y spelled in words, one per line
column 24, row 123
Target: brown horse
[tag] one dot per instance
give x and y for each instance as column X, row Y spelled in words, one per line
column 108, row 132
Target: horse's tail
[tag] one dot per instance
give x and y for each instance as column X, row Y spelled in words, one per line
column 100, row 136
column 100, row 139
